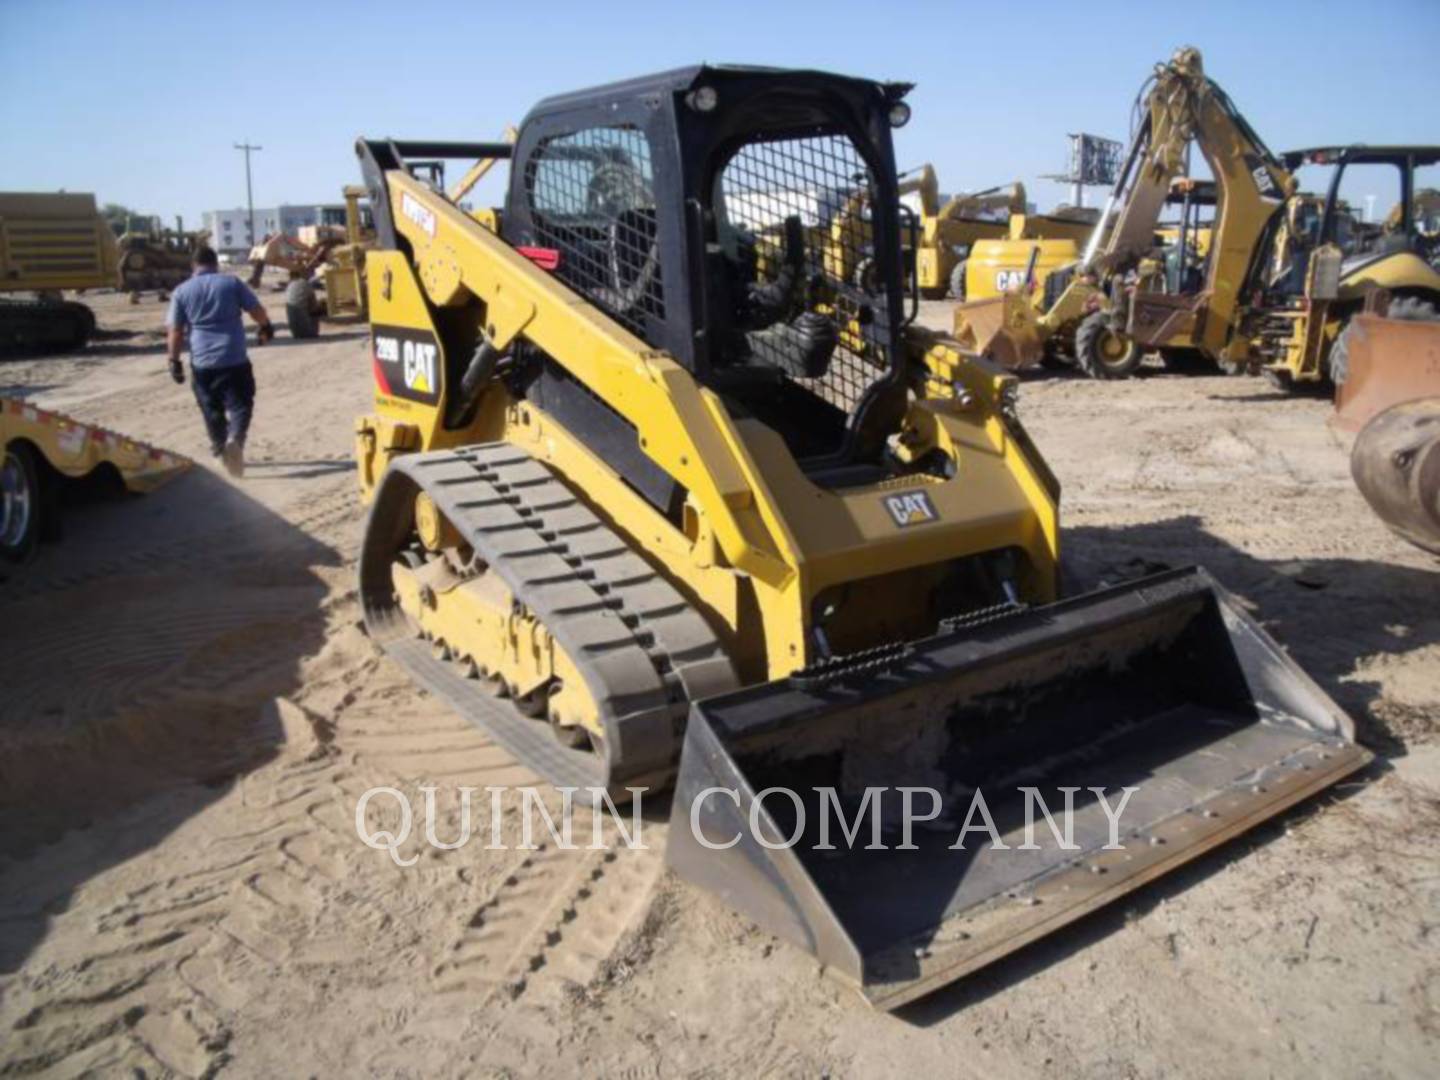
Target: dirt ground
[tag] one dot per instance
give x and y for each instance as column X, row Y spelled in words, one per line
column 190, row 713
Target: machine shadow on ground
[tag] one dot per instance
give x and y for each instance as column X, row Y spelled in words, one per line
column 1387, row 610
column 144, row 652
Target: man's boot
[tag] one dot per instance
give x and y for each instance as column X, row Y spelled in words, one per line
column 234, row 458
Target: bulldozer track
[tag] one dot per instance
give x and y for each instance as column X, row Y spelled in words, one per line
column 644, row 651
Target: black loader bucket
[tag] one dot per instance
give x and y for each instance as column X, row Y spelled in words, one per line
column 1163, row 688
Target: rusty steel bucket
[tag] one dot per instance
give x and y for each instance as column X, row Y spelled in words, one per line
column 1388, row 361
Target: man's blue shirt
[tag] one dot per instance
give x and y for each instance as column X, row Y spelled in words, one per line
column 211, row 304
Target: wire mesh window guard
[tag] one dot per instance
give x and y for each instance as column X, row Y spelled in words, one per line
column 823, row 184
column 592, row 197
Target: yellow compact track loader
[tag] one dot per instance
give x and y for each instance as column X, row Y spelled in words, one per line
column 652, row 510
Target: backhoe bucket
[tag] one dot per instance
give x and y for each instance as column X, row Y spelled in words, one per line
column 1162, row 687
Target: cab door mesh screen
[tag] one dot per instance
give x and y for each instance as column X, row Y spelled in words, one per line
column 592, row 198
column 824, row 183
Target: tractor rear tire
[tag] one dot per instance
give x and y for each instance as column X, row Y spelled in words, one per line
column 300, row 310
column 1409, row 308
column 1101, row 352
column 957, row 280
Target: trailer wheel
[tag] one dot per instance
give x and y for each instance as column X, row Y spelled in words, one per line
column 300, row 310
column 1409, row 308
column 20, row 503
column 957, row 280
column 1103, row 353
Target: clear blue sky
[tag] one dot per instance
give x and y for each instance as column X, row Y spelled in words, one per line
column 141, row 103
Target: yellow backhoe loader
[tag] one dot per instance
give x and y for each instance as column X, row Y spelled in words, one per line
column 652, row 510
column 1279, row 280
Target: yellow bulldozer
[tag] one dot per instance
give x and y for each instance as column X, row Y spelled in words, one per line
column 653, row 510
column 1279, row 279
column 154, row 258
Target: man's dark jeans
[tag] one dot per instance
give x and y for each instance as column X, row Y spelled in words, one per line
column 227, row 397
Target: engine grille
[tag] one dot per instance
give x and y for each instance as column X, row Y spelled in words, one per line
column 824, row 182
column 592, row 198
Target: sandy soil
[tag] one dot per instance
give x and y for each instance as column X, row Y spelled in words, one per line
column 190, row 713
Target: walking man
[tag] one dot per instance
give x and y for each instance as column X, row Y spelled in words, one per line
column 208, row 306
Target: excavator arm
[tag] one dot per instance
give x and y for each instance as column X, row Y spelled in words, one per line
column 1183, row 107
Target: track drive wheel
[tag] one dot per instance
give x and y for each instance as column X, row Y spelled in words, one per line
column 1102, row 352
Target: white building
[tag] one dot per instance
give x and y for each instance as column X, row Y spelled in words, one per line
column 230, row 229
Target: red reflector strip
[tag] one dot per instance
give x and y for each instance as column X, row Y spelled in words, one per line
column 380, row 380
column 545, row 258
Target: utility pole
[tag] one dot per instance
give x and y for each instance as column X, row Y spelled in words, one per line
column 249, row 193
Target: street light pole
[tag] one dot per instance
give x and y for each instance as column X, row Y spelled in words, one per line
column 249, row 194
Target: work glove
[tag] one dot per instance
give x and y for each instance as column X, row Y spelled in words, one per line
column 177, row 371
column 265, row 334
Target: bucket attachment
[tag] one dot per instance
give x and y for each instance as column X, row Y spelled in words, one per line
column 1163, row 686
column 1002, row 329
column 1388, row 361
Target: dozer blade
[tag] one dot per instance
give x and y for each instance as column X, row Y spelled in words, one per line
column 1163, row 686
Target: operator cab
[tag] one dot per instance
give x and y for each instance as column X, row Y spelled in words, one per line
column 744, row 220
column 1381, row 180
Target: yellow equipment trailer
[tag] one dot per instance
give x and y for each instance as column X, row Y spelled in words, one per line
column 651, row 509
column 48, row 243
column 41, row 451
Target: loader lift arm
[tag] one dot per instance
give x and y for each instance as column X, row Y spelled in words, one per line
column 458, row 261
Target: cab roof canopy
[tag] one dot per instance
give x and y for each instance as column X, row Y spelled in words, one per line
column 1360, row 154
column 685, row 79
